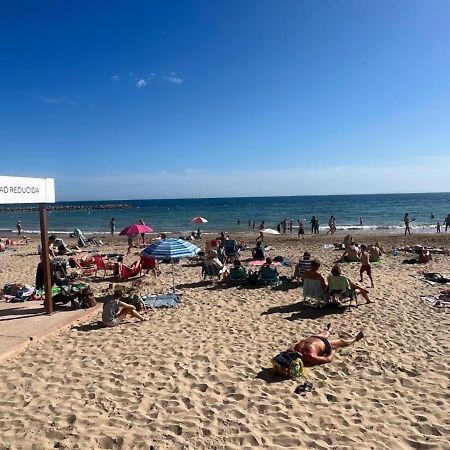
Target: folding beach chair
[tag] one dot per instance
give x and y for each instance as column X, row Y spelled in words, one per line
column 313, row 290
column 340, row 290
column 231, row 248
column 238, row 275
column 268, row 276
column 102, row 265
column 129, row 272
column 210, row 271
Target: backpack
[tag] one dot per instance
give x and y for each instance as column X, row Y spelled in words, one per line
column 288, row 364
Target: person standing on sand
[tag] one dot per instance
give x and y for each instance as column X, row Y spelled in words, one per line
column 365, row 265
column 141, row 221
column 301, row 229
column 407, row 222
column 447, row 222
column 291, row 226
column 19, row 227
column 438, row 228
column 320, row 349
column 112, row 226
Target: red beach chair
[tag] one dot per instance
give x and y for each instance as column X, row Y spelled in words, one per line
column 102, row 265
column 130, row 272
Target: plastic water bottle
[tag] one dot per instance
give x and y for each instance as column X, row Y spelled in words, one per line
column 395, row 252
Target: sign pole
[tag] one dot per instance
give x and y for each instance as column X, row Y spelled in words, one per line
column 45, row 258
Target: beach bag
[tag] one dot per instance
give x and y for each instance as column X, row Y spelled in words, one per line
column 288, row 364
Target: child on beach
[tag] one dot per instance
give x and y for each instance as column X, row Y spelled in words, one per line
column 365, row 264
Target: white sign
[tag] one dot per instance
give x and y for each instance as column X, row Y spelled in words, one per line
column 26, row 190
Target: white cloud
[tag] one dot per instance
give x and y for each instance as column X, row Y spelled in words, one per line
column 141, row 83
column 173, row 78
column 115, row 77
column 59, row 100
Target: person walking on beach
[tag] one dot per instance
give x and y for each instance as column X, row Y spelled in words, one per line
column 141, row 221
column 262, row 226
column 19, row 227
column 365, row 265
column 407, row 222
column 447, row 222
column 112, row 226
column 253, row 224
column 320, row 348
column 438, row 228
column 301, row 229
column 330, row 225
column 291, row 226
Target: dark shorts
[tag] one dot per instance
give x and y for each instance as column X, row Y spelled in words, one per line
column 325, row 341
column 366, row 268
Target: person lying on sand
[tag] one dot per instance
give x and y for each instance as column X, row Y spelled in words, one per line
column 111, row 316
column 320, row 349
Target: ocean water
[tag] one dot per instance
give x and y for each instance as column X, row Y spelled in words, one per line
column 380, row 212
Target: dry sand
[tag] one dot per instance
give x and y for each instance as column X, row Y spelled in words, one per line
column 194, row 378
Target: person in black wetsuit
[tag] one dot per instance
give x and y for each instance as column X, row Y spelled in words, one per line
column 320, row 348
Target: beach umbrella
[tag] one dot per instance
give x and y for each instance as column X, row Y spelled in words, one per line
column 270, row 231
column 199, row 220
column 135, row 228
column 171, row 249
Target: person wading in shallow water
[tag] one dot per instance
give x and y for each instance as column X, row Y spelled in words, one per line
column 320, row 348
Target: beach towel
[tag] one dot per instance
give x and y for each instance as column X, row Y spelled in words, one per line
column 437, row 301
column 434, row 279
column 162, row 301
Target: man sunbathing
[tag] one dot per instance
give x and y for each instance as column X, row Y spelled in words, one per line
column 320, row 349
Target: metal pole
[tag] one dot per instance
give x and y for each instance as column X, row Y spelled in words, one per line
column 45, row 258
column 173, row 279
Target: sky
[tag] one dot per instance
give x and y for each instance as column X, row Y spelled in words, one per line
column 175, row 99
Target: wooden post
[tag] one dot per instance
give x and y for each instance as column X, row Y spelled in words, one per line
column 45, row 258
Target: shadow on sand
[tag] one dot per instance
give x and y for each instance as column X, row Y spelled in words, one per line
column 301, row 310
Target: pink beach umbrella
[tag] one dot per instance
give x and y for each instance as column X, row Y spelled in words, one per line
column 135, row 228
column 199, row 220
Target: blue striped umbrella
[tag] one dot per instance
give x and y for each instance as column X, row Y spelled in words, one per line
column 171, row 249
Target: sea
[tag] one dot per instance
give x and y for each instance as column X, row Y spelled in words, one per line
column 378, row 213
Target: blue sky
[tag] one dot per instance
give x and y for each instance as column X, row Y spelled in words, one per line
column 146, row 99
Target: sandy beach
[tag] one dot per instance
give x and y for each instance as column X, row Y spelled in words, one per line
column 196, row 377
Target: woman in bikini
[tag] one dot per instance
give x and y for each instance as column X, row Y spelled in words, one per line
column 320, row 349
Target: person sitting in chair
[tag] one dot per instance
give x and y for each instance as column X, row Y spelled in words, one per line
column 313, row 274
column 268, row 273
column 237, row 272
column 337, row 281
column 320, row 348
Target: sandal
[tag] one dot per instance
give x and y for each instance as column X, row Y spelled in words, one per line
column 304, row 388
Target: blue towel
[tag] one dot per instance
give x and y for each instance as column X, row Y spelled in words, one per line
column 162, row 301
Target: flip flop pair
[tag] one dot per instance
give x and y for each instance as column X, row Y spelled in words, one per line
column 304, row 388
